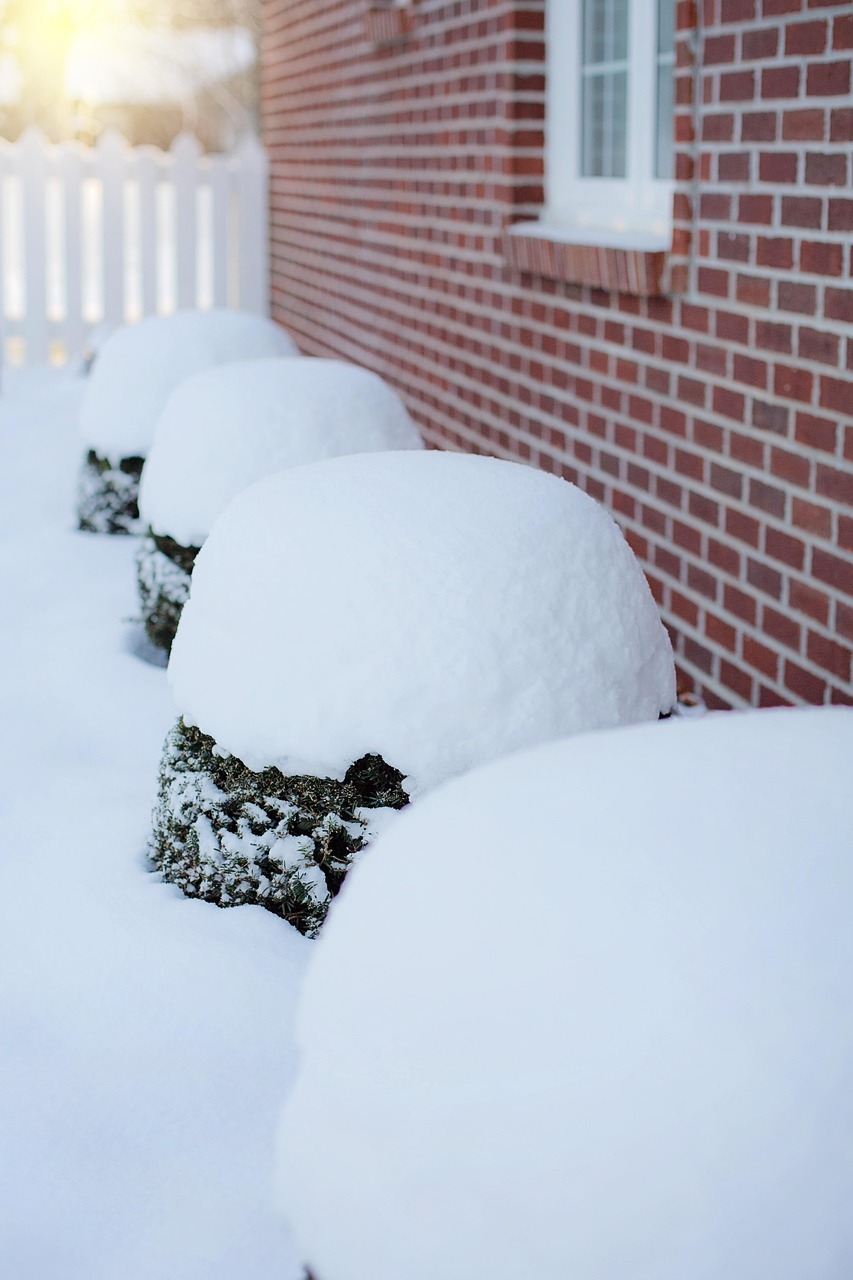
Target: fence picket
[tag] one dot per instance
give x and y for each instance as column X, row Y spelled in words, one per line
column 127, row 216
column 220, row 190
column 147, row 175
column 34, row 177
column 112, row 164
column 250, row 161
column 185, row 157
column 70, row 171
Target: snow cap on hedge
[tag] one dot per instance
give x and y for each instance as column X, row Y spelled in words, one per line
column 588, row 1011
column 225, row 428
column 139, row 366
column 435, row 609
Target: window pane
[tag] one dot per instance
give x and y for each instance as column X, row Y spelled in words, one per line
column 664, row 162
column 605, row 125
column 604, row 97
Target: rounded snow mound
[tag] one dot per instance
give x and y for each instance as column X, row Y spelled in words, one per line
column 434, row 609
column 225, row 428
column 635, row 1057
column 139, row 365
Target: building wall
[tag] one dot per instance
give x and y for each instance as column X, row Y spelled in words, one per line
column 715, row 423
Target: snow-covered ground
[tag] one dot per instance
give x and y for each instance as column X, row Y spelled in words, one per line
column 146, row 1040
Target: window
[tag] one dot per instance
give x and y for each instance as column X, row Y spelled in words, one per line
column 609, row 154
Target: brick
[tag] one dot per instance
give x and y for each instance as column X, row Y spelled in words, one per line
column 703, row 509
column 726, row 481
column 771, row 417
column 844, row 620
column 832, row 570
column 755, row 208
column 718, row 126
column 810, row 688
column 797, row 297
column 837, row 395
column 718, row 50
column 815, row 344
column 785, row 548
column 828, row 79
column 724, row 557
column 778, row 166
column 772, row 336
column 767, row 498
column 791, row 467
column 793, row 383
column 734, row 166
column 829, row 654
column 740, row 604
column 780, row 82
column 759, row 126
column 842, row 31
column 811, row 517
column 838, row 305
column 815, row 432
column 840, row 215
column 753, row 290
column 805, row 598
column 764, row 578
column 761, row 657
column 698, row 655
column 761, row 43
column 834, row 483
column 841, row 124
column 782, row 629
column 740, row 682
column 802, row 38
column 775, row 252
column 746, row 529
column 733, row 247
column 807, row 125
column 702, row 582
column 771, row 698
column 737, row 86
column 826, row 169
column 802, row 211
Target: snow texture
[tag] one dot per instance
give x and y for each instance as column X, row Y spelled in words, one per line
column 227, row 427
column 142, row 1071
column 138, row 366
column 433, row 609
column 627, row 1053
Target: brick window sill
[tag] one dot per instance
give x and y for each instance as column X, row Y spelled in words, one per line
column 634, row 263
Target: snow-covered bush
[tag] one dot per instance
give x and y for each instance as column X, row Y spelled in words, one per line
column 227, row 427
column 137, row 368
column 588, row 1011
column 430, row 610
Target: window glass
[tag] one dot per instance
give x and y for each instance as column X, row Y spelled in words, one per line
column 665, row 62
column 604, row 97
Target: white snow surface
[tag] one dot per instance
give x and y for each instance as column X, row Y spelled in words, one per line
column 588, row 1011
column 141, row 1071
column 227, row 427
column 436, row 609
column 139, row 365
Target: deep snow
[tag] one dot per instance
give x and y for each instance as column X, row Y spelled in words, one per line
column 436, row 609
column 137, row 367
column 145, row 1039
column 226, row 427
column 587, row 1012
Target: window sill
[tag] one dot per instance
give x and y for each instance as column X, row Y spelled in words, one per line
column 617, row 261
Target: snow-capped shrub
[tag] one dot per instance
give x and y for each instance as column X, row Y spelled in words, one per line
column 429, row 609
column 137, row 368
column 227, row 427
column 588, row 1012
column 229, row 835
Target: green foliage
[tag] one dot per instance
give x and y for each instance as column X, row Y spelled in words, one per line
column 108, row 493
column 229, row 835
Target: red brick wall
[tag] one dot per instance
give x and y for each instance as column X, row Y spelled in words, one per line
column 716, row 425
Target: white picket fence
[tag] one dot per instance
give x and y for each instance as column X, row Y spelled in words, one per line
column 108, row 234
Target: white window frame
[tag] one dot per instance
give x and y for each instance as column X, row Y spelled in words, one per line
column 635, row 210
